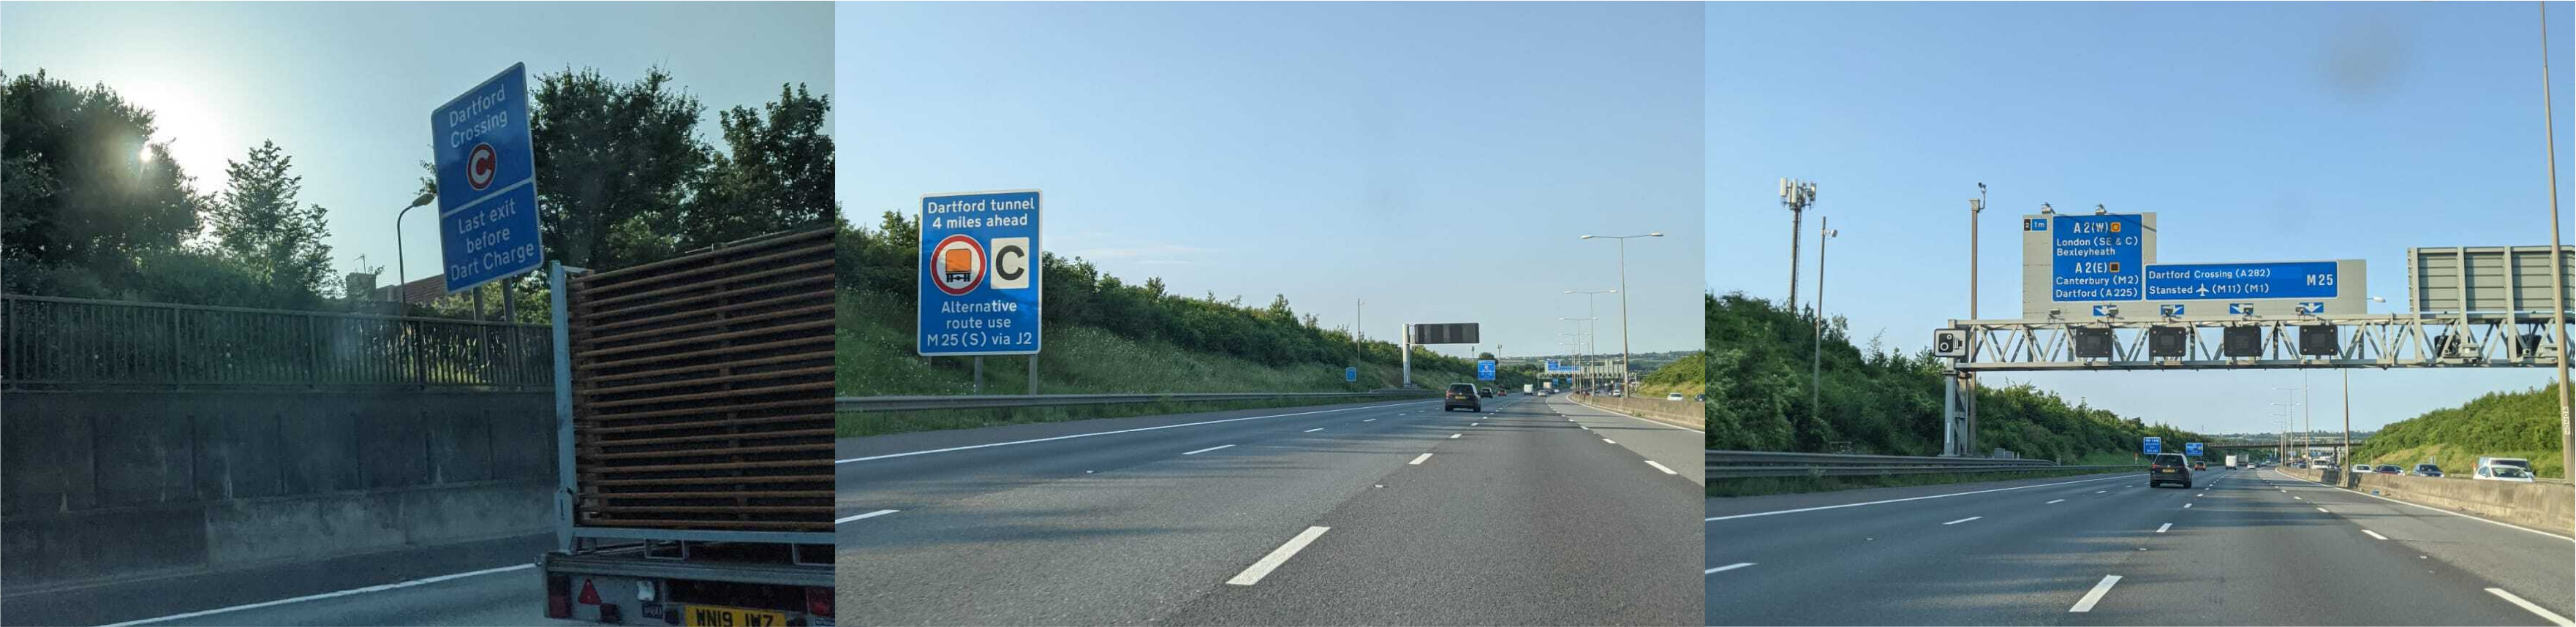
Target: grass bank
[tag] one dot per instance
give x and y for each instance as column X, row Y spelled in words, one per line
column 1759, row 486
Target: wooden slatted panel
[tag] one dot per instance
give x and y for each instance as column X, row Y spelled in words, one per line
column 702, row 389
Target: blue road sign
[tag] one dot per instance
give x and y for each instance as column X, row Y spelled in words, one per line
column 1350, row 374
column 487, row 182
column 2096, row 257
column 979, row 277
column 2035, row 224
column 1484, row 370
column 2239, row 281
column 2155, row 445
column 2105, row 310
column 2169, row 311
column 2312, row 308
column 2191, row 448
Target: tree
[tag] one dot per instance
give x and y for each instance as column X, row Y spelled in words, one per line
column 777, row 174
column 260, row 225
column 615, row 164
column 84, row 188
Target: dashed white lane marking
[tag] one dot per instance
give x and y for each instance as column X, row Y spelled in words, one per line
column 2054, row 502
column 2374, row 534
column 1453, row 436
column 1085, row 435
column 1471, row 424
column 1207, row 449
column 1314, row 429
column 1733, row 566
column 1954, row 522
column 2100, row 491
column 2445, row 511
column 2163, row 528
column 2090, row 598
column 2298, row 498
column 873, row 514
column 1254, row 573
column 2553, row 617
column 2321, row 509
column 1370, row 420
column 1661, row 467
column 1609, row 440
column 2186, row 506
column 326, row 595
column 1418, row 460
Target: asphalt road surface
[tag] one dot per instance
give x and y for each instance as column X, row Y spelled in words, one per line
column 1536, row 511
column 2241, row 547
column 490, row 582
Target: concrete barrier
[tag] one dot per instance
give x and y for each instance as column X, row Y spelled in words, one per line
column 106, row 486
column 1691, row 414
column 2544, row 506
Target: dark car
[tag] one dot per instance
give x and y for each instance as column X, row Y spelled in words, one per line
column 2426, row 470
column 2386, row 469
column 1461, row 395
column 1485, row 392
column 2169, row 468
column 2199, row 465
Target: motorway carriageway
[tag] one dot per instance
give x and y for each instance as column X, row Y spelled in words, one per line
column 2241, row 547
column 1534, row 511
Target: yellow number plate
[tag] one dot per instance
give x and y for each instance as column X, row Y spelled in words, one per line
column 717, row 616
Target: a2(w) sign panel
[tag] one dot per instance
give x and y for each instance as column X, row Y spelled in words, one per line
column 2096, row 258
column 979, row 274
column 487, row 182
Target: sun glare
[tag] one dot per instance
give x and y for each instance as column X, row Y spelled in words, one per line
column 144, row 155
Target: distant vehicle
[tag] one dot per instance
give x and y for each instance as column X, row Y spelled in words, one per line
column 2169, row 468
column 1673, row 396
column 2231, row 462
column 1703, row 398
column 2388, row 469
column 1461, row 395
column 2426, row 470
column 2199, row 465
column 2504, row 469
column 2361, row 468
column 1485, row 392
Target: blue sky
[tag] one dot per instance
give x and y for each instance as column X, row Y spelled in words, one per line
column 1438, row 160
column 2257, row 131
column 346, row 88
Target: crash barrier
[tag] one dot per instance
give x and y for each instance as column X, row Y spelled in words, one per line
column 104, row 486
column 1692, row 414
column 2545, row 506
column 1738, row 464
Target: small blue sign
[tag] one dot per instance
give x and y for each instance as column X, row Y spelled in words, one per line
column 2155, row 445
column 2169, row 311
column 980, row 278
column 2239, row 281
column 2096, row 258
column 2101, row 311
column 487, row 182
column 2035, row 224
column 2312, row 308
column 1484, row 370
column 1350, row 374
column 2240, row 309
column 2191, row 448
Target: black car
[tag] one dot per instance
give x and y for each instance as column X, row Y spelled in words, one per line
column 2169, row 468
column 1461, row 395
column 2386, row 469
column 2427, row 470
column 1485, row 392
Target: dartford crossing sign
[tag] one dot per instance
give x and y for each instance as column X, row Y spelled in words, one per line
column 487, row 182
column 980, row 278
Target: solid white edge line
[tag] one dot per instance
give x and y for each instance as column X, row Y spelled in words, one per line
column 1727, row 567
column 1418, row 460
column 2374, row 534
column 1659, row 424
column 2535, row 609
column 2163, row 528
column 1085, row 435
column 2125, row 475
column 873, row 514
column 1207, row 449
column 1253, row 574
column 325, row 595
column 2437, row 509
column 1661, row 467
column 2095, row 596
column 1954, row 522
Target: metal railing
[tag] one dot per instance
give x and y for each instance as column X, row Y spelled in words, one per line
column 71, row 342
column 918, row 403
column 1738, row 464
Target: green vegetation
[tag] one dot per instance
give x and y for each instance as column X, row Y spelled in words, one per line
column 1103, row 335
column 1688, row 375
column 2503, row 424
column 1876, row 401
column 1759, row 486
column 95, row 210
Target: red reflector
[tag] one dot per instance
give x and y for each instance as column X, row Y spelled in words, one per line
column 558, row 597
column 818, row 601
column 589, row 595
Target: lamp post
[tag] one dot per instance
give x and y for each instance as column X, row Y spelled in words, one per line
column 401, row 273
column 1816, row 376
column 1590, row 339
column 1623, row 302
